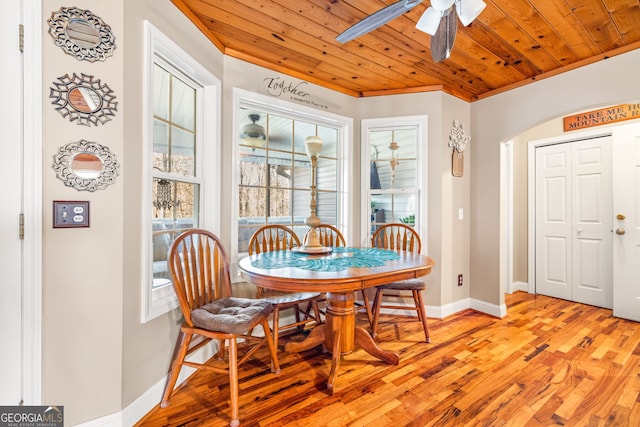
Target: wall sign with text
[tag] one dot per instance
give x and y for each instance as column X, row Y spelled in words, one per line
column 603, row 116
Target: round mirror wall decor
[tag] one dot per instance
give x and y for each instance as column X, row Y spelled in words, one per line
column 81, row 34
column 83, row 99
column 86, row 165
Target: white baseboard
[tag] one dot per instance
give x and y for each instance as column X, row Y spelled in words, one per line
column 440, row 312
column 518, row 286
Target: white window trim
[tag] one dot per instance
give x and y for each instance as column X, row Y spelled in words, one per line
column 422, row 171
column 344, row 125
column 158, row 302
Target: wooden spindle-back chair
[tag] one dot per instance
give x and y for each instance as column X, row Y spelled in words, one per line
column 275, row 237
column 199, row 268
column 399, row 237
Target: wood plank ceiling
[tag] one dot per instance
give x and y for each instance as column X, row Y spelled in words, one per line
column 511, row 43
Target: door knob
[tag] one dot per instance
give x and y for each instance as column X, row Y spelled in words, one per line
column 620, row 231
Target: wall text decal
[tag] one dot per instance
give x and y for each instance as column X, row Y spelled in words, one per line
column 295, row 91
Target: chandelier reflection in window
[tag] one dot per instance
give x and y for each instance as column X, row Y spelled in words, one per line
column 163, row 195
column 393, row 162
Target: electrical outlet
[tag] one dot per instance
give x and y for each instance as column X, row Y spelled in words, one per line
column 68, row 214
column 459, row 279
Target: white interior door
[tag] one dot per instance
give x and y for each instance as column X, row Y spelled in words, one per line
column 10, row 209
column 591, row 212
column 626, row 244
column 573, row 221
column 553, row 220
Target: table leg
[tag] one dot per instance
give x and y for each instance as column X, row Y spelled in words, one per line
column 365, row 341
column 314, row 339
column 341, row 336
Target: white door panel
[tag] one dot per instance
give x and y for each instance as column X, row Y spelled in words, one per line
column 592, row 207
column 573, row 221
column 626, row 247
column 553, row 225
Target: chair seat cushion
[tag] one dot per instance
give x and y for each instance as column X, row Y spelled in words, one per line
column 231, row 315
column 290, row 298
column 405, row 285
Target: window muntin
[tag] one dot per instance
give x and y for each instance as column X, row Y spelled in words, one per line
column 274, row 176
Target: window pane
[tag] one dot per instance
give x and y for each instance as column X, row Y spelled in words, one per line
column 252, row 171
column 174, row 210
column 245, row 231
column 163, row 197
column 302, row 172
column 405, row 174
column 303, row 200
column 183, row 105
column 279, row 203
column 161, row 80
column 183, row 152
column 301, row 131
column 188, row 203
column 280, row 130
column 327, row 208
column 280, row 176
column 327, row 174
column 160, row 145
column 251, row 205
column 329, row 141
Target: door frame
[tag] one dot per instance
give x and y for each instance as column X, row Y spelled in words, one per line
column 32, row 203
column 531, row 188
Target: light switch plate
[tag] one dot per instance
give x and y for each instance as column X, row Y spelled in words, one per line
column 70, row 214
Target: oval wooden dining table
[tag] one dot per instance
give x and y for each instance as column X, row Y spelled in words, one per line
column 339, row 274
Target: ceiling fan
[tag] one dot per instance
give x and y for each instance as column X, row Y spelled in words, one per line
column 438, row 20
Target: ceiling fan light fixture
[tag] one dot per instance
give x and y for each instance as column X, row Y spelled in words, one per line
column 429, row 21
column 442, row 5
column 468, row 10
column 253, row 134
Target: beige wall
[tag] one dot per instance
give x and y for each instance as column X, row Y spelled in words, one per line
column 82, row 268
column 502, row 117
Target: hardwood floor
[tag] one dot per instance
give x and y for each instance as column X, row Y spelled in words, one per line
column 549, row 362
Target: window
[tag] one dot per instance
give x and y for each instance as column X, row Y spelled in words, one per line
column 396, row 175
column 178, row 185
column 273, row 171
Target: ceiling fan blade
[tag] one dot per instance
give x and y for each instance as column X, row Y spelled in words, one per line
column 377, row 19
column 442, row 41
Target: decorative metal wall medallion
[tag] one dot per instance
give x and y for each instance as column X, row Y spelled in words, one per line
column 81, row 34
column 86, row 165
column 84, row 99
